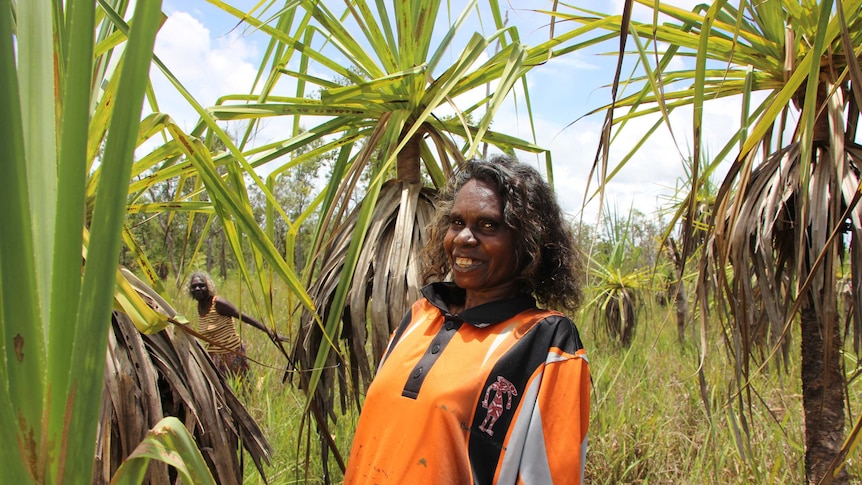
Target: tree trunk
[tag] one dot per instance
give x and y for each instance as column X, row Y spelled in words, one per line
column 822, row 376
column 681, row 301
column 209, row 254
column 223, row 262
column 677, row 290
column 629, row 317
column 169, row 246
column 409, row 166
column 822, row 398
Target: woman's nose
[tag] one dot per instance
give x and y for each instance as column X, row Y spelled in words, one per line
column 465, row 236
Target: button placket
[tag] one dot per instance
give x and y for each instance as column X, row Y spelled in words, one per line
column 429, row 358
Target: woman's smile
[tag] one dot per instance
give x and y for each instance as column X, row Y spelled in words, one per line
column 464, row 263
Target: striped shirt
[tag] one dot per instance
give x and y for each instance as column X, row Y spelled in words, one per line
column 218, row 328
column 498, row 394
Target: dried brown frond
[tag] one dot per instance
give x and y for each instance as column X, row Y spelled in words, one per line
column 168, row 373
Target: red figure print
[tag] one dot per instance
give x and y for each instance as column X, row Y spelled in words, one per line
column 495, row 408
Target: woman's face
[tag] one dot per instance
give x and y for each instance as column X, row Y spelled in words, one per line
column 198, row 288
column 481, row 248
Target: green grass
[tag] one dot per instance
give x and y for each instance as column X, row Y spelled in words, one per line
column 279, row 408
column 648, row 424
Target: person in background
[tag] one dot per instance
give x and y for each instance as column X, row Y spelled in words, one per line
column 216, row 325
column 479, row 384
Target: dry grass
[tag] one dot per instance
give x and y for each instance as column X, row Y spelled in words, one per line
column 649, row 423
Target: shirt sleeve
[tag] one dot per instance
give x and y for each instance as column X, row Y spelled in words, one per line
column 558, row 429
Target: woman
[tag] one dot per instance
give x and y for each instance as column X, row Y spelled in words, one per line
column 478, row 384
column 216, row 326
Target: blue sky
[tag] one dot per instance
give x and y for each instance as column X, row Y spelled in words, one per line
column 201, row 46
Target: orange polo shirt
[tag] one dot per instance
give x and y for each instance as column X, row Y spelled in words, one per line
column 498, row 394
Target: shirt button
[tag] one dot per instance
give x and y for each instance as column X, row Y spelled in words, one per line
column 417, row 373
column 435, row 348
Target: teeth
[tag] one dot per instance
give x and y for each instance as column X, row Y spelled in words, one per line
column 463, row 262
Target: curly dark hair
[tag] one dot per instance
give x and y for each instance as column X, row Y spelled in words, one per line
column 545, row 247
column 211, row 288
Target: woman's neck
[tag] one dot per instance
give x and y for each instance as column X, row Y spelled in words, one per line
column 205, row 305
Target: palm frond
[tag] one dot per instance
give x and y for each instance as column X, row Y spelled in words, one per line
column 148, row 377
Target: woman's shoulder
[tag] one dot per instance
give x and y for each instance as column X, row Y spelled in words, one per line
column 546, row 316
column 558, row 327
column 222, row 305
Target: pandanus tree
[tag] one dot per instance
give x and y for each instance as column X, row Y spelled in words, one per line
column 618, row 278
column 384, row 86
column 786, row 215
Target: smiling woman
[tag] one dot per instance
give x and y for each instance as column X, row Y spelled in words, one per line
column 476, row 372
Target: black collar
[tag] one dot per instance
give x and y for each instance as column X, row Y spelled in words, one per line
column 441, row 295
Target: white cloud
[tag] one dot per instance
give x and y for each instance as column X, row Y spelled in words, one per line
column 209, row 63
column 206, row 67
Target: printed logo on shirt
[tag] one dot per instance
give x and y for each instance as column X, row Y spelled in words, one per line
column 502, row 388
